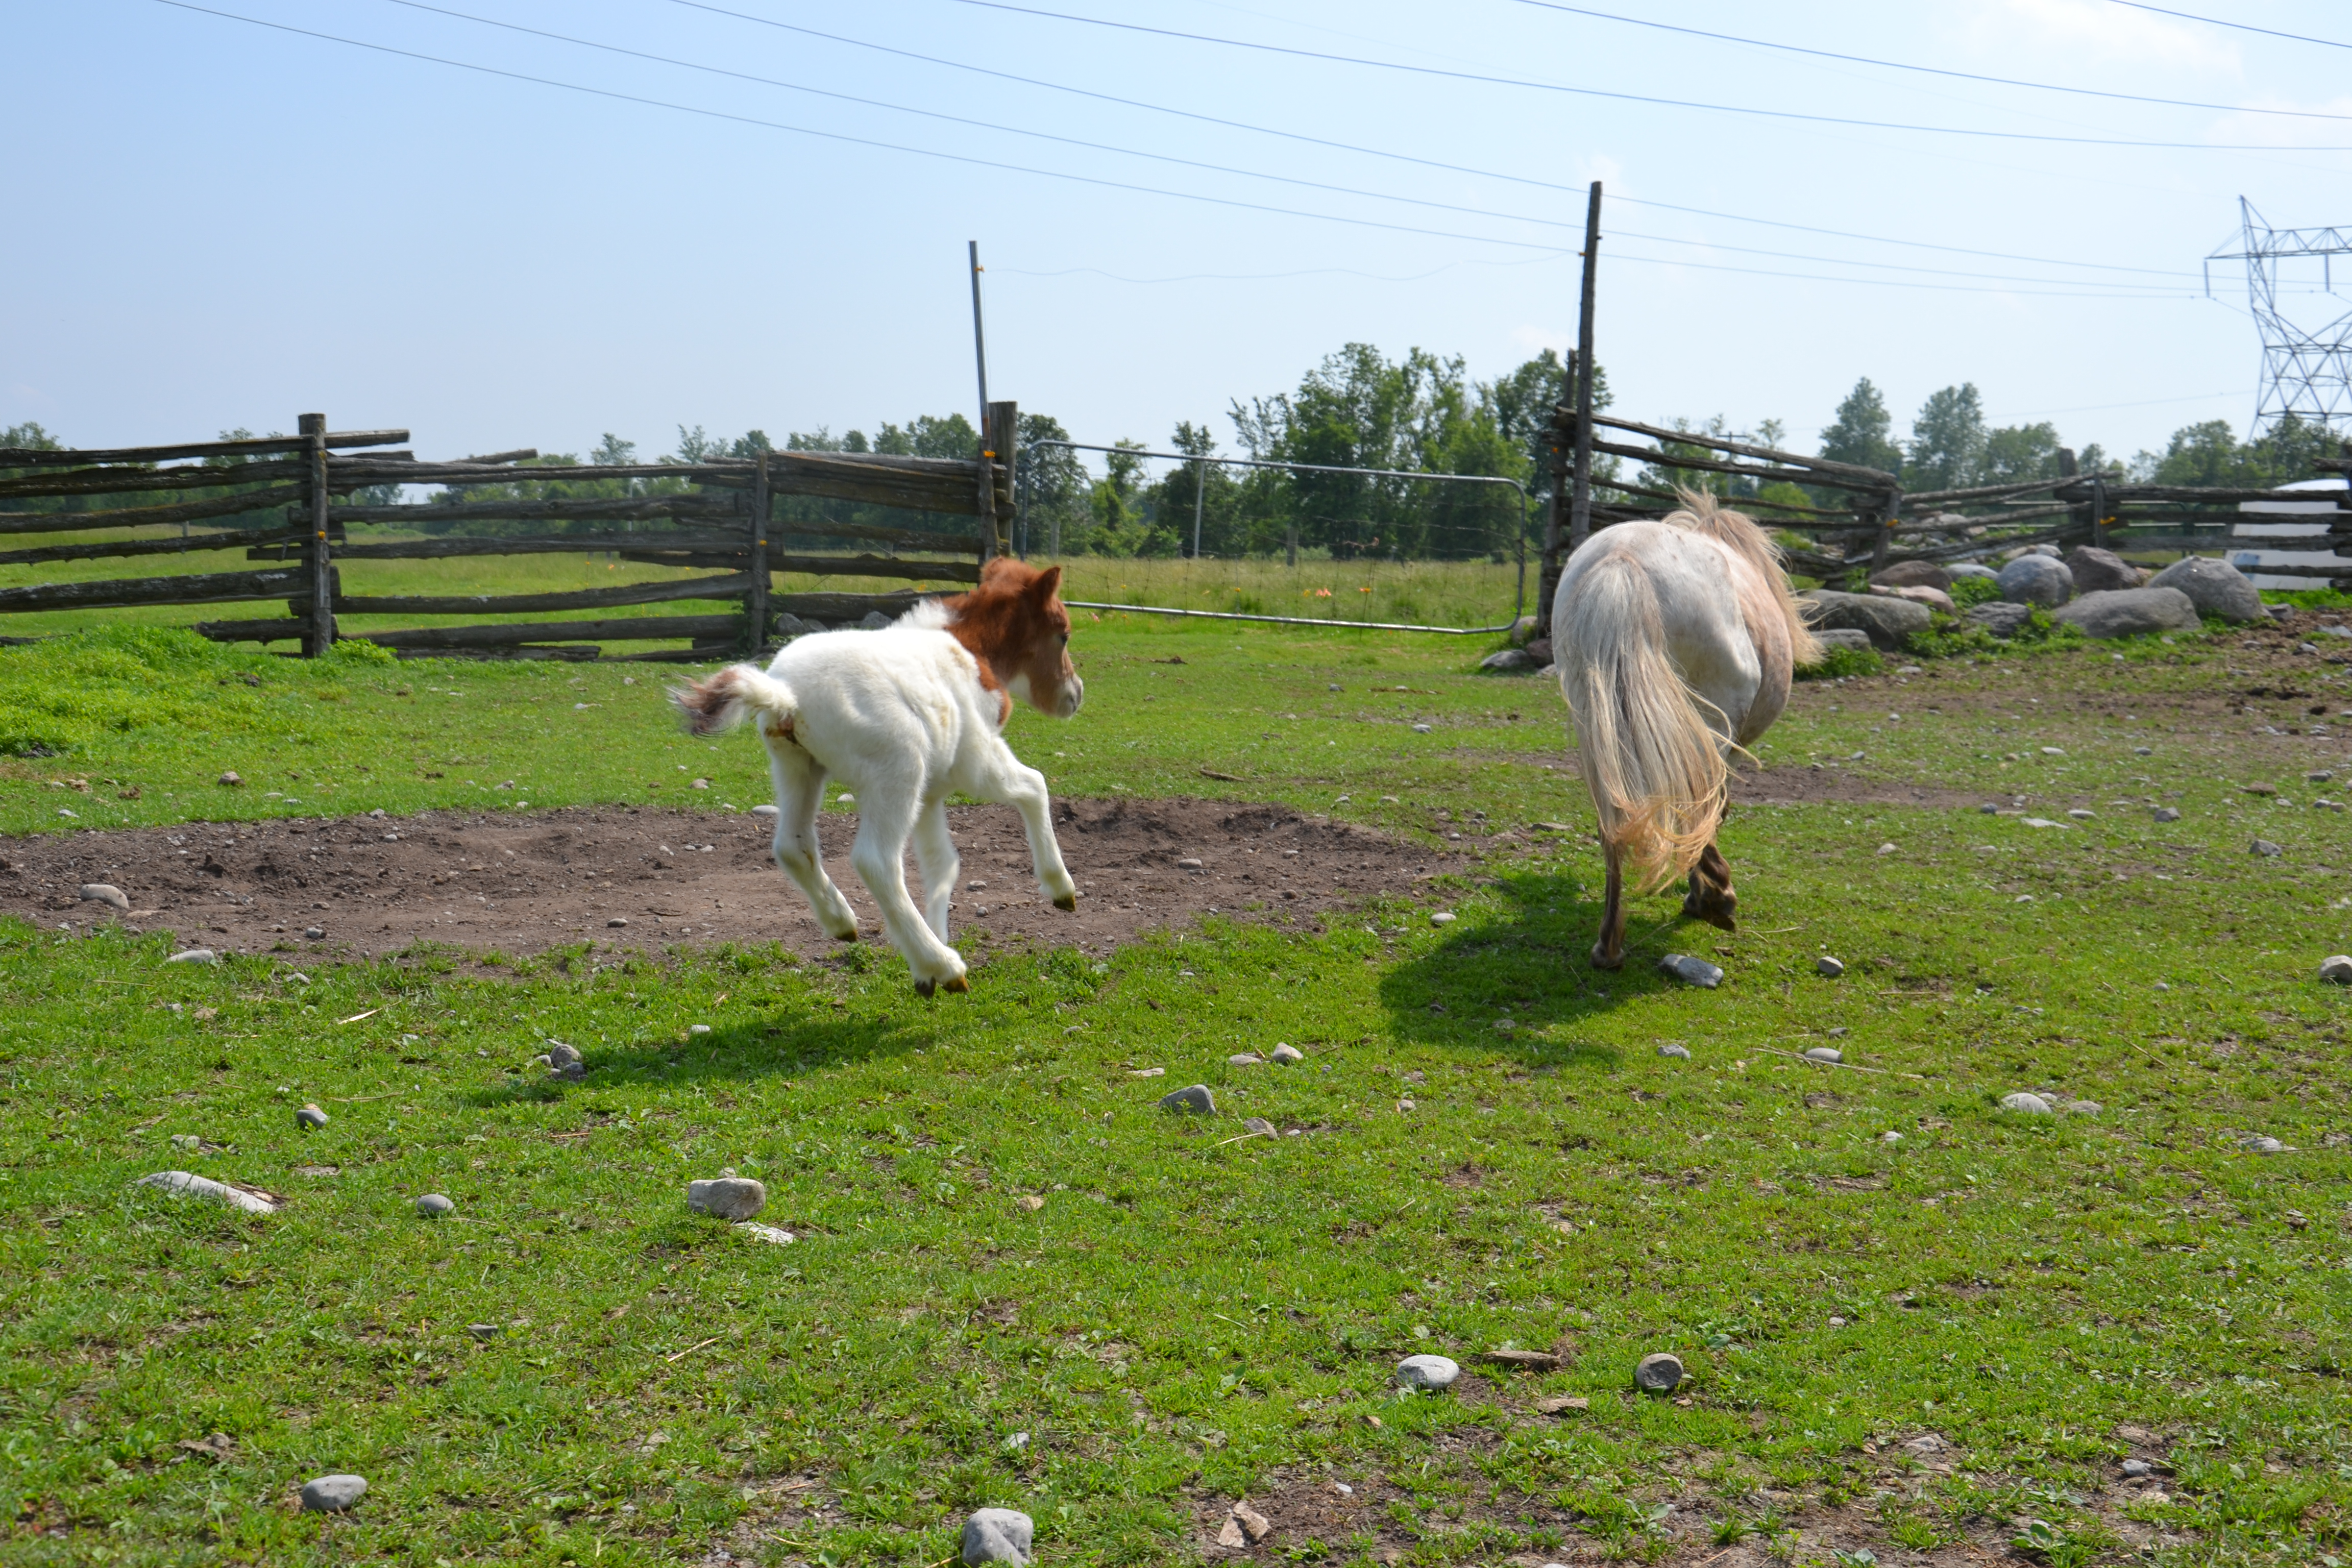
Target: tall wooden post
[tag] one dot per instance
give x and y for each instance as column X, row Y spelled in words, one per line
column 319, row 628
column 2099, row 510
column 1891, row 502
column 755, row 598
column 1579, row 514
column 996, row 446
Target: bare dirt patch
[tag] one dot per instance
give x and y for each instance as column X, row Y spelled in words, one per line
column 522, row 883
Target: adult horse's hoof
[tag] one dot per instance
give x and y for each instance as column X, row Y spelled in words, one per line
column 1067, row 902
column 925, row 988
column 1603, row 959
column 1715, row 913
column 956, row 983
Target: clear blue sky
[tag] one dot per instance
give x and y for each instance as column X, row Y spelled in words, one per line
column 218, row 223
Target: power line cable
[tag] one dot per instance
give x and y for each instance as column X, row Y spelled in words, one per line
column 1486, row 80
column 1890, row 283
column 1384, row 152
column 1187, row 163
column 856, row 140
column 2242, row 27
column 1934, row 70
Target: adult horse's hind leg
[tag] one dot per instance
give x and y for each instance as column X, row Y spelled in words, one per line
column 1710, row 898
column 1609, row 951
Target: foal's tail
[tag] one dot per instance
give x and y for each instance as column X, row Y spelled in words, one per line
column 1656, row 769
column 719, row 702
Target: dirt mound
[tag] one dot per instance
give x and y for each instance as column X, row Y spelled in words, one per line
column 645, row 876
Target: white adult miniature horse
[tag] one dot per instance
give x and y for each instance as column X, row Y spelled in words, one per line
column 1676, row 642
column 905, row 716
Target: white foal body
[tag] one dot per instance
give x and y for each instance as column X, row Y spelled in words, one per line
column 905, row 717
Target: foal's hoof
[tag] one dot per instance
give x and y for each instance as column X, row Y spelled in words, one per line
column 849, row 935
column 1067, row 902
column 956, row 983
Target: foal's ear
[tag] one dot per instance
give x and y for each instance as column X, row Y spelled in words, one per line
column 1044, row 586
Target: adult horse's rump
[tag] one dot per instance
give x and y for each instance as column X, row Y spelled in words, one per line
column 1676, row 642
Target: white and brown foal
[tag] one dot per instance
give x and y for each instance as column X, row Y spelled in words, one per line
column 907, row 716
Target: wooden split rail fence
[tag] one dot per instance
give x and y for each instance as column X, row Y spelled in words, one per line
column 1861, row 520
column 288, row 505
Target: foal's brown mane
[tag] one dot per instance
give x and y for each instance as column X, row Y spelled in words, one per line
column 1015, row 615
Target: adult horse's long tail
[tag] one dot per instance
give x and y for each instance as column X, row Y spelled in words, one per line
column 1654, row 767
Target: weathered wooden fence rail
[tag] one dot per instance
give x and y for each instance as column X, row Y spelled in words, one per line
column 1866, row 521
column 727, row 523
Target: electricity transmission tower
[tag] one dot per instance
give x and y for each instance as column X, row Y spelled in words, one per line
column 2306, row 374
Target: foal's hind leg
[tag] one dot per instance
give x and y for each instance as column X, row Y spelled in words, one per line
column 1609, row 951
column 799, row 779
column 1710, row 898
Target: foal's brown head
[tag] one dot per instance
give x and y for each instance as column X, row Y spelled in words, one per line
column 1013, row 622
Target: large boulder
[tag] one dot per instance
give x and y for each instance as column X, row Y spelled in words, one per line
column 1917, row 593
column 2130, row 612
column 2037, row 580
column 1830, row 637
column 1959, row 569
column 2096, row 571
column 2214, row 586
column 1999, row 617
column 1912, row 575
column 1885, row 621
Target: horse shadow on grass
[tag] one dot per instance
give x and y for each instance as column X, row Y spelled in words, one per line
column 1525, row 956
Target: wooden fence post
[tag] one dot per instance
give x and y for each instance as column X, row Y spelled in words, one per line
column 319, row 633
column 996, row 446
column 2099, row 510
column 755, row 598
column 1579, row 514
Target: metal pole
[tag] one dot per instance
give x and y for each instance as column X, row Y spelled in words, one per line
column 1579, row 516
column 1200, row 487
column 979, row 338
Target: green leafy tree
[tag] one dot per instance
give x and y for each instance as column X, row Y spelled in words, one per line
column 1053, row 486
column 1862, row 433
column 1947, row 440
column 2209, row 453
column 2018, row 452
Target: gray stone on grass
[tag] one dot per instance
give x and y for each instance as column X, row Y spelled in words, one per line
column 1658, row 1373
column 2214, row 586
column 1679, row 1052
column 2037, row 580
column 1259, row 1127
column 2138, row 1468
column 188, row 1184
column 1690, row 970
column 2265, row 849
column 1245, row 1059
column 1886, row 622
column 1828, row 968
column 1194, row 1097
column 559, row 1055
column 1427, row 1372
column 2000, row 617
column 315, row 933
column 2098, row 571
column 2129, row 613
column 1829, row 1054
column 2084, row 1106
column 1912, row 575
column 311, row 1116
column 1839, row 636
column 333, row 1494
column 2165, row 814
column 2337, row 970
column 726, row 1197
column 1285, row 1054
column 1511, row 661
column 433, row 1204
column 2262, row 1145
column 192, row 955
column 2026, row 1104
column 997, row 1535
column 112, row 898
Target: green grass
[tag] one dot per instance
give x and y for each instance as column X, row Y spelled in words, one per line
column 1189, row 1319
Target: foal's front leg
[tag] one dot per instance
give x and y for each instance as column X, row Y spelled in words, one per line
column 1023, row 787
column 886, row 817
